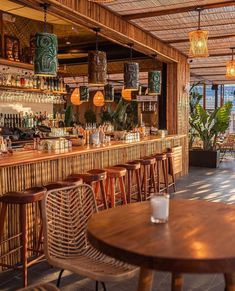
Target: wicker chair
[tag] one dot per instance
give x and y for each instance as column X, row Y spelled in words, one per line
column 41, row 287
column 65, row 215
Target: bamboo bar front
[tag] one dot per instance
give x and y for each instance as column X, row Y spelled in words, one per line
column 27, row 169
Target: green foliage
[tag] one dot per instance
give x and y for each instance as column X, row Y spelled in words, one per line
column 68, row 116
column 194, row 100
column 90, row 116
column 125, row 116
column 208, row 125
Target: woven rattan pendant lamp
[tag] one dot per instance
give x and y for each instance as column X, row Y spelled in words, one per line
column 126, row 94
column 198, row 40
column 131, row 74
column 154, row 80
column 45, row 59
column 230, row 67
column 97, row 65
column 98, row 99
column 75, row 97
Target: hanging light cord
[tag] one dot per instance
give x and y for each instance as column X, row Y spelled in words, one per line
column 97, row 41
column 199, row 19
column 45, row 17
column 131, row 52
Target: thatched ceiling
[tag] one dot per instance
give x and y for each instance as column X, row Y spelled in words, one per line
column 172, row 20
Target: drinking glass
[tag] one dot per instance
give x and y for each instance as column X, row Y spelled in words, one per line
column 159, row 207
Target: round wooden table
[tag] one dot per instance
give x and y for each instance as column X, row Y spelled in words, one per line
column 198, row 238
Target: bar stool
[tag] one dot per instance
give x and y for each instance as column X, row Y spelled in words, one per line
column 95, row 178
column 132, row 181
column 161, row 165
column 22, row 199
column 115, row 177
column 147, row 172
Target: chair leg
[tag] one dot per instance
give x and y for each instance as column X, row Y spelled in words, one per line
column 103, row 285
column 103, row 193
column 158, row 176
column 96, row 285
column 59, row 278
column 24, row 255
column 165, row 174
column 129, row 186
column 123, row 191
column 137, row 172
column 2, row 218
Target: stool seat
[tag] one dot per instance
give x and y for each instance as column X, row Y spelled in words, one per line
column 59, row 184
column 30, row 195
column 147, row 161
column 130, row 166
column 160, row 157
column 99, row 173
column 115, row 172
column 85, row 177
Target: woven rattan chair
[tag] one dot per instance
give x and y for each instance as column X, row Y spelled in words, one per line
column 41, row 287
column 65, row 215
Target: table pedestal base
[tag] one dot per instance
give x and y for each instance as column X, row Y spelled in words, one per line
column 229, row 281
column 145, row 280
column 176, row 282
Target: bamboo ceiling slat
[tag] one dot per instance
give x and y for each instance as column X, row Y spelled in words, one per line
column 175, row 27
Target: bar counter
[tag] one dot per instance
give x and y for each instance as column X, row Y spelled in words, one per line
column 30, row 168
column 33, row 168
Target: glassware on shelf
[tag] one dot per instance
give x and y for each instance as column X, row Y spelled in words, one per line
column 30, row 97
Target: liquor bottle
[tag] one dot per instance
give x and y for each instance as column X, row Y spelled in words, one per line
column 26, row 78
column 13, row 80
column 22, row 80
column 18, row 83
column 34, row 78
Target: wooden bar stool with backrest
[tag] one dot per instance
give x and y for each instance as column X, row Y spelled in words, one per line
column 95, row 178
column 115, row 187
column 174, row 156
column 132, row 181
column 22, row 199
column 147, row 173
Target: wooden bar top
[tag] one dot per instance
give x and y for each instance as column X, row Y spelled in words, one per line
column 33, row 156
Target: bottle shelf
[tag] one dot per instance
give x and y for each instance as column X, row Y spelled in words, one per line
column 31, row 90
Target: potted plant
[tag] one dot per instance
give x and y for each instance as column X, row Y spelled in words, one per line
column 207, row 125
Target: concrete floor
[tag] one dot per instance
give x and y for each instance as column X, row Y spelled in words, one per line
column 201, row 183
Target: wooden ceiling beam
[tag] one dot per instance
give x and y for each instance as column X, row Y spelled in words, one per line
column 178, row 10
column 207, row 67
column 192, row 26
column 210, row 38
column 113, row 26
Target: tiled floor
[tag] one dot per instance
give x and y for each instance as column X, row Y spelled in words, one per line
column 209, row 184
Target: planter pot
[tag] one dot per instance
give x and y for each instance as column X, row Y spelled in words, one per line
column 201, row 158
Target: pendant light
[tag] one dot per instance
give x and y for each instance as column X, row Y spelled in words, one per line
column 84, row 92
column 75, row 97
column 98, row 99
column 154, row 80
column 45, row 59
column 108, row 92
column 126, row 94
column 131, row 74
column 198, row 40
column 97, row 65
column 230, row 67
